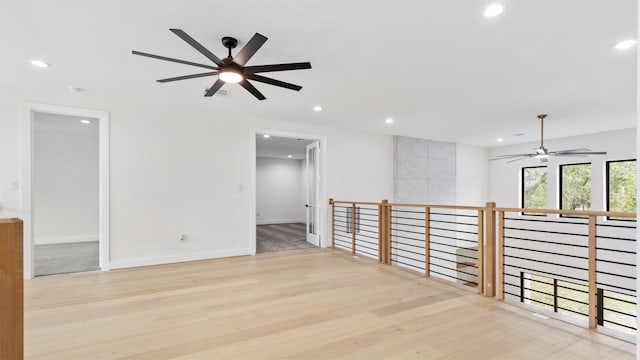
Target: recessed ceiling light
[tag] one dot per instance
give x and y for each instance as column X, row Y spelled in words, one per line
column 85, row 121
column 289, row 156
column 499, row 139
column 625, row 44
column 493, row 10
column 40, row 64
column 518, row 134
column 74, row 89
column 266, row 136
column 317, row 108
column 388, row 121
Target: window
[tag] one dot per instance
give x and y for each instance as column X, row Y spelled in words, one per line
column 621, row 186
column 575, row 187
column 534, row 188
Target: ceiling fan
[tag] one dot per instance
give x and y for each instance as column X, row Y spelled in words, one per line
column 543, row 153
column 231, row 69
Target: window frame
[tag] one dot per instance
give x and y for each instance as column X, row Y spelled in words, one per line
column 522, row 188
column 607, row 188
column 560, row 177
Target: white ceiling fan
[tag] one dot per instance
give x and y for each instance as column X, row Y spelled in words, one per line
column 543, row 153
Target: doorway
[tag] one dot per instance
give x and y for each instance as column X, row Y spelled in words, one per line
column 65, row 190
column 287, row 187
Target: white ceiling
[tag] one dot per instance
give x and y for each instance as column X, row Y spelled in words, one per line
column 281, row 147
column 438, row 67
column 65, row 124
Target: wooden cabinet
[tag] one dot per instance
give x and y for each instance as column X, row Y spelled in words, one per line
column 11, row 290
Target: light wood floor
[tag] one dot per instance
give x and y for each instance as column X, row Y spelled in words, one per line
column 301, row 304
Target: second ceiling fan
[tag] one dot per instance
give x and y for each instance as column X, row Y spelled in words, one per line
column 232, row 69
column 543, row 153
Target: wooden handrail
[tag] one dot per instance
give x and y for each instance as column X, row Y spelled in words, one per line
column 452, row 207
column 356, row 202
column 491, row 238
column 11, row 290
column 570, row 212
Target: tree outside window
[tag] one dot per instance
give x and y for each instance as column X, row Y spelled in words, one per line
column 575, row 187
column 534, row 188
column 621, row 186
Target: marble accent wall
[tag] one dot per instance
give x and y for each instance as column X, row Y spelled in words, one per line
column 424, row 171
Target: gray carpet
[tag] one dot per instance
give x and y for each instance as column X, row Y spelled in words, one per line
column 66, row 258
column 279, row 237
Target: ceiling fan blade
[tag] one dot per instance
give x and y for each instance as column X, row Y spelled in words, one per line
column 503, row 157
column 275, row 82
column 276, row 67
column 185, row 77
column 250, row 88
column 215, row 87
column 173, row 60
column 520, row 158
column 249, row 49
column 575, row 153
column 191, row 41
column 571, row 150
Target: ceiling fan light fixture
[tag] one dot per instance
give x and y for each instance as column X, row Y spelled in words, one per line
column 230, row 76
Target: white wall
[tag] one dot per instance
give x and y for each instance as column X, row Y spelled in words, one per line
column 279, row 191
column 65, row 179
column 472, row 175
column 504, row 178
column 184, row 170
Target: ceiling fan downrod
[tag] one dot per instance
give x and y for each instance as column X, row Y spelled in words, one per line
column 542, row 149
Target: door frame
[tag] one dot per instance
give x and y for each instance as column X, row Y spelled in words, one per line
column 323, row 226
column 26, row 200
column 316, row 191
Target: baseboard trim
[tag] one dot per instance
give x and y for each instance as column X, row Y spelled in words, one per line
column 130, row 263
column 282, row 221
column 65, row 239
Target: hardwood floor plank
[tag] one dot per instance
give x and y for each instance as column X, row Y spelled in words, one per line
column 302, row 304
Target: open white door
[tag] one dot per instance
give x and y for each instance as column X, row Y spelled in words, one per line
column 313, row 193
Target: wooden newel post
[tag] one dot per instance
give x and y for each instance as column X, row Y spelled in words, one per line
column 593, row 311
column 427, row 241
column 353, row 228
column 333, row 227
column 388, row 233
column 480, row 253
column 382, row 231
column 11, row 290
column 501, row 254
column 490, row 250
